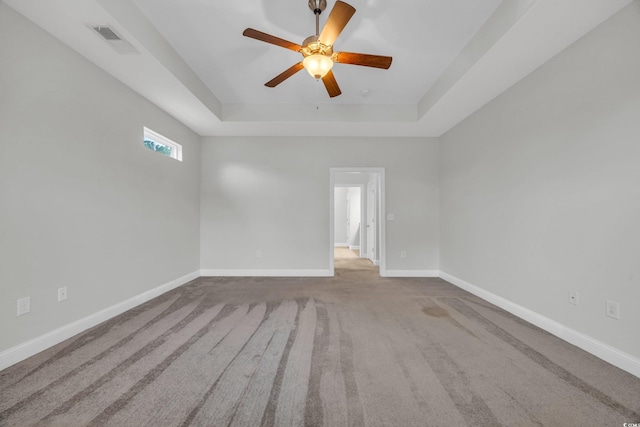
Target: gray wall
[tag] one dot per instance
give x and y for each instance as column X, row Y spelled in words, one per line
column 272, row 194
column 83, row 203
column 540, row 189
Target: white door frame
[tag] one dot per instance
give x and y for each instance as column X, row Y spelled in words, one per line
column 381, row 213
column 372, row 254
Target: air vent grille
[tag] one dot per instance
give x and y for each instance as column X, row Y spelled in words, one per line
column 112, row 38
column 107, row 33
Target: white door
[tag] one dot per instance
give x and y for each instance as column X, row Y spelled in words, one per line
column 371, row 220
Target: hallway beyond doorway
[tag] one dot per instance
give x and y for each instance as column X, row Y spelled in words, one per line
column 343, row 252
column 346, row 259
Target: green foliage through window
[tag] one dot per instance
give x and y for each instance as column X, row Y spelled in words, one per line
column 161, row 144
column 155, row 146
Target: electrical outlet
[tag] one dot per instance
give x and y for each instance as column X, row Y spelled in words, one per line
column 24, row 306
column 612, row 309
column 574, row 297
column 403, row 254
column 258, row 254
column 62, row 294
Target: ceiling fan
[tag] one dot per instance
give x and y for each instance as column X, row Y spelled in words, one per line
column 317, row 50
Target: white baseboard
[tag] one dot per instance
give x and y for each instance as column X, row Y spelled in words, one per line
column 34, row 346
column 591, row 345
column 266, row 273
column 340, row 245
column 354, row 248
column 412, row 273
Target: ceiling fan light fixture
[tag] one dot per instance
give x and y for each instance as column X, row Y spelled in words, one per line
column 317, row 65
column 317, row 50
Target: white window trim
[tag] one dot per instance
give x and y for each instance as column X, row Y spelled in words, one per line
column 176, row 149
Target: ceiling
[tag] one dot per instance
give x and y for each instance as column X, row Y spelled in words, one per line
column 450, row 57
column 423, row 37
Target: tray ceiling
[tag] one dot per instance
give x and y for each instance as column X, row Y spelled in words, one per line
column 449, row 58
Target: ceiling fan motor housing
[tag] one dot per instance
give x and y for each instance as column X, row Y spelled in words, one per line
column 311, row 45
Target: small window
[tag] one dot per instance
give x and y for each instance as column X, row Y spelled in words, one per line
column 156, row 142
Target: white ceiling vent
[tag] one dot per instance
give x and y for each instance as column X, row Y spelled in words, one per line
column 107, row 33
column 113, row 39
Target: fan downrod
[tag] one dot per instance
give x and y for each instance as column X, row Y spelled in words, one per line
column 317, row 6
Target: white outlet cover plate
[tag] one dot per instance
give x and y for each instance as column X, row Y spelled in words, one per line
column 24, row 306
column 612, row 309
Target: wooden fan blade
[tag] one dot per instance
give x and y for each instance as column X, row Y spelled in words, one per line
column 331, row 84
column 363, row 59
column 337, row 20
column 259, row 35
column 284, row 75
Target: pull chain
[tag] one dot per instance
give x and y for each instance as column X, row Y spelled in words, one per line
column 317, row 94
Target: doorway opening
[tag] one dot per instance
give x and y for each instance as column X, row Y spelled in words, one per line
column 348, row 204
column 357, row 236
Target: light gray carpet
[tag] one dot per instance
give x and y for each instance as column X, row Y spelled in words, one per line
column 352, row 350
